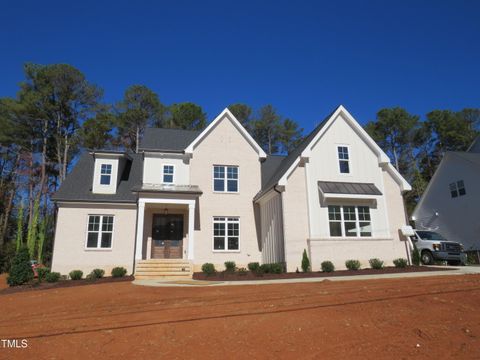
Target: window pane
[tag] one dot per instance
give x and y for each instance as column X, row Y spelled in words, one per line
column 349, row 213
column 105, row 179
column 219, row 185
column 219, row 172
column 363, row 213
column 167, row 178
column 219, row 243
column 93, row 223
column 232, row 173
column 344, row 167
column 350, row 228
column 106, row 169
column 232, row 185
column 343, row 152
column 334, row 213
column 168, row 169
column 107, row 224
column 232, row 243
column 92, row 240
column 335, row 228
column 233, row 229
column 106, row 240
column 365, row 229
column 218, row 229
column 461, row 191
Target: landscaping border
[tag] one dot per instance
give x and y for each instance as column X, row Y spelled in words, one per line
column 229, row 276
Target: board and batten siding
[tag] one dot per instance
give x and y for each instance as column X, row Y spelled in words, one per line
column 273, row 250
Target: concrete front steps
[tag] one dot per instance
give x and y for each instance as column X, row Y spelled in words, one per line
column 175, row 269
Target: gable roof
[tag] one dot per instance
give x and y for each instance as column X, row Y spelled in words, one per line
column 168, row 140
column 78, row 184
column 226, row 114
column 303, row 150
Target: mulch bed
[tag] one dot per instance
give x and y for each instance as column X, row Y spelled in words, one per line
column 34, row 285
column 225, row 276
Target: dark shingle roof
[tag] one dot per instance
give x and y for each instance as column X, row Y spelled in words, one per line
column 337, row 187
column 269, row 166
column 175, row 140
column 78, row 184
column 290, row 159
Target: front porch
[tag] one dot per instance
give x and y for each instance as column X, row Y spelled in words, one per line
column 165, row 229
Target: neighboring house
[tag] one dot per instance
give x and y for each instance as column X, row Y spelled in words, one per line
column 451, row 201
column 215, row 196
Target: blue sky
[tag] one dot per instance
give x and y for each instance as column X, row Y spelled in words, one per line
column 304, row 57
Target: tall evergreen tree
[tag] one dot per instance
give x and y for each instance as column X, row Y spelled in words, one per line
column 139, row 109
column 187, row 116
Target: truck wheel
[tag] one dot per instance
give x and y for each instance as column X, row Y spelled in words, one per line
column 427, row 258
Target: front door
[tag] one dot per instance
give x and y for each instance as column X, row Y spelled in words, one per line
column 167, row 236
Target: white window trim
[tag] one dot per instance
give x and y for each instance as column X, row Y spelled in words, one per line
column 99, row 240
column 163, row 174
column 349, row 159
column 357, row 224
column 225, row 179
column 110, row 175
column 226, row 234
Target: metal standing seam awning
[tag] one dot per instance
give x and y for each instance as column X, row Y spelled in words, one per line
column 337, row 189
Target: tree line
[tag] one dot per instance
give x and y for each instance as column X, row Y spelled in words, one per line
column 57, row 113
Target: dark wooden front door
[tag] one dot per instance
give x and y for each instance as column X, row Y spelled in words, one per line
column 167, row 236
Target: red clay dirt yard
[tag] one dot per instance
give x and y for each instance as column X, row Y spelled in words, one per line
column 425, row 318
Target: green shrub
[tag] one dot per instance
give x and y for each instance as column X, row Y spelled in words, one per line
column 230, row 266
column 415, row 256
column 327, row 266
column 273, row 268
column 208, row 268
column 305, row 261
column 76, row 274
column 376, row 264
column 42, row 273
column 253, row 266
column 52, row 277
column 119, row 271
column 400, row 263
column 352, row 264
column 21, row 271
column 97, row 274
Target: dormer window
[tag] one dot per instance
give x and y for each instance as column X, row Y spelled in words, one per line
column 343, row 159
column 168, row 172
column 105, row 174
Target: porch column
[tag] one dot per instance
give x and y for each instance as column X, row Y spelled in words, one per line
column 191, row 229
column 140, row 221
